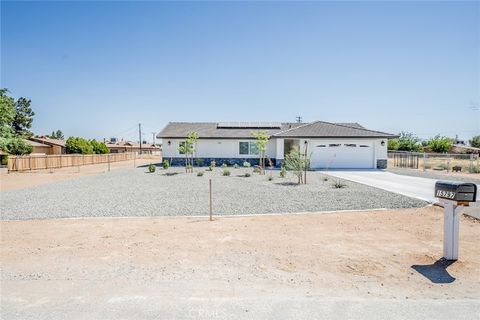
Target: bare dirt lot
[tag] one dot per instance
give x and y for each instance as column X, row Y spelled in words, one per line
column 374, row 265
column 28, row 179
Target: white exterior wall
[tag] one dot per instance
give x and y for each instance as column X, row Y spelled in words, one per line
column 216, row 148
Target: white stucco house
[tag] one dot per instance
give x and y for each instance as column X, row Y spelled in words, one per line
column 330, row 145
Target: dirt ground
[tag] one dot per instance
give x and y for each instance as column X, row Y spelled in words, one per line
column 160, row 268
column 28, row 179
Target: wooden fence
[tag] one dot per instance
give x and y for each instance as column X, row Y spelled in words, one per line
column 26, row 163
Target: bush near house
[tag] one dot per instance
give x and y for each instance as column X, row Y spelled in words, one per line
column 226, row 172
column 165, row 164
column 151, row 168
column 475, row 142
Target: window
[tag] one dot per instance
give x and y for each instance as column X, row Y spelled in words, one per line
column 363, row 146
column 353, row 145
column 248, row 147
column 334, row 145
column 244, row 147
column 320, row 145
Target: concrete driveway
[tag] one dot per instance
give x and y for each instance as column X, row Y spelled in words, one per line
column 415, row 187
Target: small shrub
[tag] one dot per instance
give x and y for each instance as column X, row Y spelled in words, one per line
column 226, row 172
column 339, row 184
column 443, row 166
column 209, row 168
column 165, row 164
column 199, row 162
column 325, row 179
column 256, row 170
column 235, row 166
column 151, row 168
column 246, row 164
column 200, row 174
column 224, row 165
column 283, row 172
column 213, row 163
column 474, row 169
column 270, row 177
column 246, row 175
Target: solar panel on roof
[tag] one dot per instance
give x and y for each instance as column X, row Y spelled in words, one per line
column 252, row 125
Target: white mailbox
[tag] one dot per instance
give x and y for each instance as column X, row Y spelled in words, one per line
column 454, row 195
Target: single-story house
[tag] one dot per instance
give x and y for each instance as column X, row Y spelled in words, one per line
column 57, row 146
column 330, row 145
column 39, row 148
column 129, row 146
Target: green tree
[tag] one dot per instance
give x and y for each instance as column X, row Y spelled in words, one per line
column 57, row 135
column 7, row 113
column 393, row 144
column 23, row 119
column 15, row 145
column 261, row 142
column 99, row 147
column 187, row 148
column 475, row 142
column 408, row 142
column 440, row 144
column 79, row 146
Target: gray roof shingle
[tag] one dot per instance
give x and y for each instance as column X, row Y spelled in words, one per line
column 210, row 130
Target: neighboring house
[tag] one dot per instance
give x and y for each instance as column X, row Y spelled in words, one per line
column 128, row 146
column 57, row 146
column 330, row 145
column 39, row 148
column 461, row 148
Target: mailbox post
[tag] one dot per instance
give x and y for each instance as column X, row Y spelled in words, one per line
column 454, row 196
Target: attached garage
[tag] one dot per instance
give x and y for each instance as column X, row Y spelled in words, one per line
column 342, row 154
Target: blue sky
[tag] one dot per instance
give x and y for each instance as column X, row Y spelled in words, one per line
column 96, row 69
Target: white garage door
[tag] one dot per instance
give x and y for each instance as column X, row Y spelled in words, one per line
column 342, row 155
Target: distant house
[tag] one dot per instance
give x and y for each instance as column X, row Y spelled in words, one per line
column 56, row 146
column 330, row 145
column 129, row 146
column 39, row 148
column 461, row 148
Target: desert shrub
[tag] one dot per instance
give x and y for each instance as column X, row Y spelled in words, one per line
column 246, row 164
column 474, row 169
column 443, row 166
column 224, row 165
column 339, row 184
column 226, row 172
column 209, row 168
column 246, row 175
column 200, row 174
column 151, row 168
column 270, row 177
column 199, row 162
column 235, row 166
column 257, row 170
column 325, row 179
column 213, row 163
column 165, row 164
column 283, row 171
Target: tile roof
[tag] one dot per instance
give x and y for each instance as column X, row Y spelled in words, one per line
column 49, row 141
column 210, row 130
column 320, row 129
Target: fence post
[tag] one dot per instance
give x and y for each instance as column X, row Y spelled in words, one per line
column 424, row 162
column 210, row 197
column 108, row 158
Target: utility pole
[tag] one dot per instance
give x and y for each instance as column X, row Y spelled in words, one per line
column 140, row 136
column 299, row 119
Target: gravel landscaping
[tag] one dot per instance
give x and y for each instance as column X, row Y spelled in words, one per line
column 135, row 192
column 475, row 178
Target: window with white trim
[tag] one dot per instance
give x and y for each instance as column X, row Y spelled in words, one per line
column 247, row 148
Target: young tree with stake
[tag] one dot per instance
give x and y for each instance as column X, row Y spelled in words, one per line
column 261, row 142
